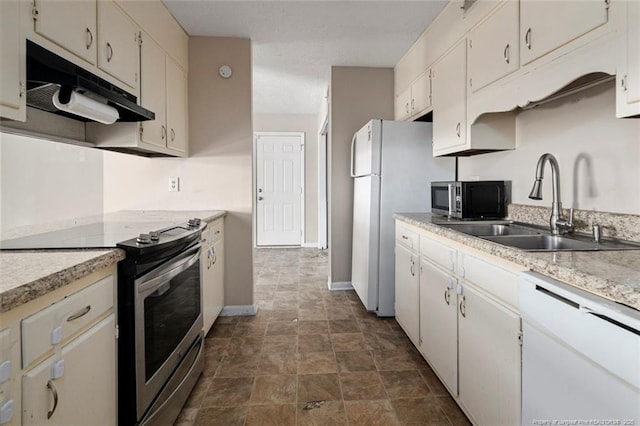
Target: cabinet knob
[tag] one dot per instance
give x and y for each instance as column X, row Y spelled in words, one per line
column 506, row 53
column 527, row 38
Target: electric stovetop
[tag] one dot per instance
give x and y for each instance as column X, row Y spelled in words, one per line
column 100, row 235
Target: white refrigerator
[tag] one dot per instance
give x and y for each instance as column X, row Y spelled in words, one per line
column 392, row 166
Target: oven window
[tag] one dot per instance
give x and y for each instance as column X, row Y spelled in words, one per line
column 169, row 313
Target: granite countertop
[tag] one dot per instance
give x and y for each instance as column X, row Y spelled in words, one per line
column 614, row 275
column 28, row 274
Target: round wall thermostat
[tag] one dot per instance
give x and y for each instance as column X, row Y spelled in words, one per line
column 225, row 71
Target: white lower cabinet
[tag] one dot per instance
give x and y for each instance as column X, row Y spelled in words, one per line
column 467, row 323
column 85, row 391
column 212, row 273
column 407, row 292
column 489, row 358
column 439, row 322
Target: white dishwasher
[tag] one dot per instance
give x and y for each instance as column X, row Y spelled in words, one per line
column 580, row 356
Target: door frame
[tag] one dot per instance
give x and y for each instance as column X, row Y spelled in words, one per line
column 255, row 182
column 323, row 219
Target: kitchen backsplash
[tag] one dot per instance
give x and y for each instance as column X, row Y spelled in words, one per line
column 613, row 225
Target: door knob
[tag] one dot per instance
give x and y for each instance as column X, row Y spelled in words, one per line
column 259, row 198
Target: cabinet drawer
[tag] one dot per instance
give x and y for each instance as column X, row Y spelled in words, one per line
column 72, row 314
column 499, row 282
column 217, row 230
column 407, row 236
column 440, row 254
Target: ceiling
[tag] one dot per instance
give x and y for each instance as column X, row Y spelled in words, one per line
column 295, row 43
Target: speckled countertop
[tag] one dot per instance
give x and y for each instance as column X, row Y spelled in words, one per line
column 611, row 274
column 27, row 275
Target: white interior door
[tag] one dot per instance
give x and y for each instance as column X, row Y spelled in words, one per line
column 278, row 189
column 322, row 186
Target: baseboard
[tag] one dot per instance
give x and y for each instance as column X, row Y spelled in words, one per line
column 340, row 285
column 239, row 310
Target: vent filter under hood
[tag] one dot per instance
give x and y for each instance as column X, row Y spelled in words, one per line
column 79, row 94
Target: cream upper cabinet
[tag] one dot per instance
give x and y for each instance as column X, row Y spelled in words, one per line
column 152, row 91
column 439, row 322
column 12, row 76
column 493, row 47
column 449, row 93
column 548, row 25
column 628, row 79
column 407, row 288
column 403, row 105
column 118, row 47
column 176, row 106
column 69, row 24
column 78, row 386
column 489, row 358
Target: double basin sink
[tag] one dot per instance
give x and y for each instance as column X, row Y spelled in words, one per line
column 532, row 238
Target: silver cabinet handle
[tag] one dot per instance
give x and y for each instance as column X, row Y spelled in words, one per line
column 109, row 52
column 463, row 307
column 527, row 38
column 164, row 132
column 214, row 254
column 411, row 268
column 82, row 312
column 447, row 296
column 54, row 392
column 173, row 134
column 507, row 53
column 90, row 38
column 260, row 198
column 413, row 104
column 458, row 129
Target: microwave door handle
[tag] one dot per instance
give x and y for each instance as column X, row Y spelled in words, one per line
column 151, row 282
column 353, row 157
column 452, row 199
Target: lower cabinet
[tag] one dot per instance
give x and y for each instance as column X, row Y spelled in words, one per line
column 489, row 359
column 467, row 323
column 85, row 391
column 407, row 292
column 439, row 322
column 212, row 273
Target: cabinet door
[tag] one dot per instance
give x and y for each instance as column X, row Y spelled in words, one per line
column 421, row 93
column 407, row 292
column 449, row 99
column 403, row 105
column 548, row 25
column 153, row 91
column 489, row 359
column 176, row 107
column 493, row 47
column 12, row 99
column 86, row 391
column 212, row 267
column 69, row 24
column 218, row 278
column 119, row 51
column 632, row 76
column 439, row 322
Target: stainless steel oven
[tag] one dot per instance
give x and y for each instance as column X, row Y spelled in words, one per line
column 160, row 319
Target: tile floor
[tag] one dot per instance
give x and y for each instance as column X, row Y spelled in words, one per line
column 312, row 357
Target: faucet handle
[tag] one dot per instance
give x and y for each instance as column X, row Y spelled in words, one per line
column 565, row 225
column 570, row 221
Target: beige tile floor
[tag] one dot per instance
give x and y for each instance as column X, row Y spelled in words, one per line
column 312, row 357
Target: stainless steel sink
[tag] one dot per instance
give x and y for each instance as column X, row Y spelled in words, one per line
column 559, row 243
column 489, row 229
column 532, row 238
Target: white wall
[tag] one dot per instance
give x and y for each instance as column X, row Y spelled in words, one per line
column 45, row 182
column 306, row 123
column 578, row 130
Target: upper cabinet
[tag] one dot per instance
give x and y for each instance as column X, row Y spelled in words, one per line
column 176, row 107
column 449, row 100
column 415, row 100
column 68, row 24
column 628, row 78
column 493, row 47
column 118, row 41
column 546, row 26
column 12, row 83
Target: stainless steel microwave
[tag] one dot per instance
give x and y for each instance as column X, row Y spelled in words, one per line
column 469, row 200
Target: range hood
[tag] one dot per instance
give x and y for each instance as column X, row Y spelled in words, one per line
column 58, row 86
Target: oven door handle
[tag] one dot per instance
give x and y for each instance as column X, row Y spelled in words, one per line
column 156, row 279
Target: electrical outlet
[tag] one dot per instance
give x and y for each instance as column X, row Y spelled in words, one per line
column 174, row 184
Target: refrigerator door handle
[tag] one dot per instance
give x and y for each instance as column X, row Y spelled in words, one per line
column 353, row 159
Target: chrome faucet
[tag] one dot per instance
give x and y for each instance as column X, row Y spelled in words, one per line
column 557, row 223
